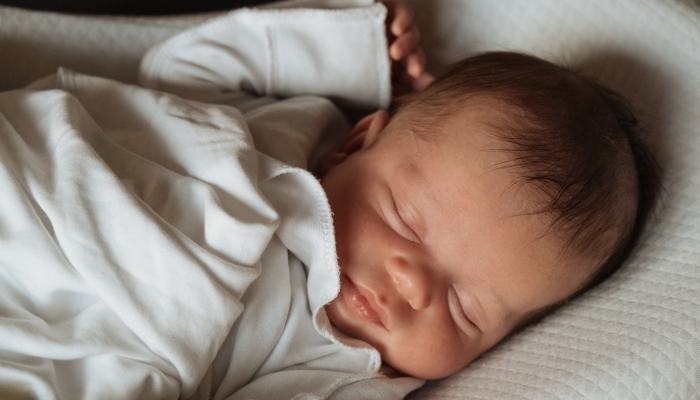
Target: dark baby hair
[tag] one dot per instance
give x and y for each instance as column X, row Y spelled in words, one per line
column 573, row 141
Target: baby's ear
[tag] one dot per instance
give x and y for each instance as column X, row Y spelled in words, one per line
column 365, row 132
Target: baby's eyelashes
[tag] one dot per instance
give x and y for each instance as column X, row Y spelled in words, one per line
column 404, row 230
column 458, row 312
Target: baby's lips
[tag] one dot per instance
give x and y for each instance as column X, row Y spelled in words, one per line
column 372, row 300
column 362, row 302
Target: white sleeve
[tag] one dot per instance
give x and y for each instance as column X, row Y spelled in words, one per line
column 339, row 53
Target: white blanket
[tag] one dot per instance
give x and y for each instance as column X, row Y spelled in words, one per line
column 131, row 225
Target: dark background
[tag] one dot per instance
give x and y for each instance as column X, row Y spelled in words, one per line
column 132, row 7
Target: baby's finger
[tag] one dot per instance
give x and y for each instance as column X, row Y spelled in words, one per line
column 400, row 15
column 404, row 44
column 415, row 63
column 420, row 82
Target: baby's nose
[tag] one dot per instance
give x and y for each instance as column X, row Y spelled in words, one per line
column 412, row 282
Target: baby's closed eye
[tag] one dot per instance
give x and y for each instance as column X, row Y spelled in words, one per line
column 404, row 229
column 459, row 313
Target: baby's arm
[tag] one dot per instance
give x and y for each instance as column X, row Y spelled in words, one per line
column 336, row 53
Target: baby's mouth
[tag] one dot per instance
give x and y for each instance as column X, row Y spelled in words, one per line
column 361, row 304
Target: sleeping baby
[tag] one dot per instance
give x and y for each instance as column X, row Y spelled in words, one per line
column 501, row 191
column 169, row 241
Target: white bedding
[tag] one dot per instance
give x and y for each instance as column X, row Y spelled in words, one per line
column 637, row 336
column 122, row 213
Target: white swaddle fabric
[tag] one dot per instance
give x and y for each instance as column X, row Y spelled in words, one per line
column 121, row 226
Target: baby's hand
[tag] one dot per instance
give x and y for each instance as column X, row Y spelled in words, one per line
column 408, row 67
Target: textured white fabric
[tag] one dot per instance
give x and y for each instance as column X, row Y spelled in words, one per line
column 635, row 337
column 201, row 64
column 122, row 263
column 34, row 44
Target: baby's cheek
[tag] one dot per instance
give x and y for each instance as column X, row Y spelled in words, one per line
column 430, row 353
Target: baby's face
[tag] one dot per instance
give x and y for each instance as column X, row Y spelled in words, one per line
column 438, row 261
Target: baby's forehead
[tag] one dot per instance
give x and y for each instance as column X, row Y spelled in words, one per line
column 487, row 169
column 482, row 119
column 454, row 166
